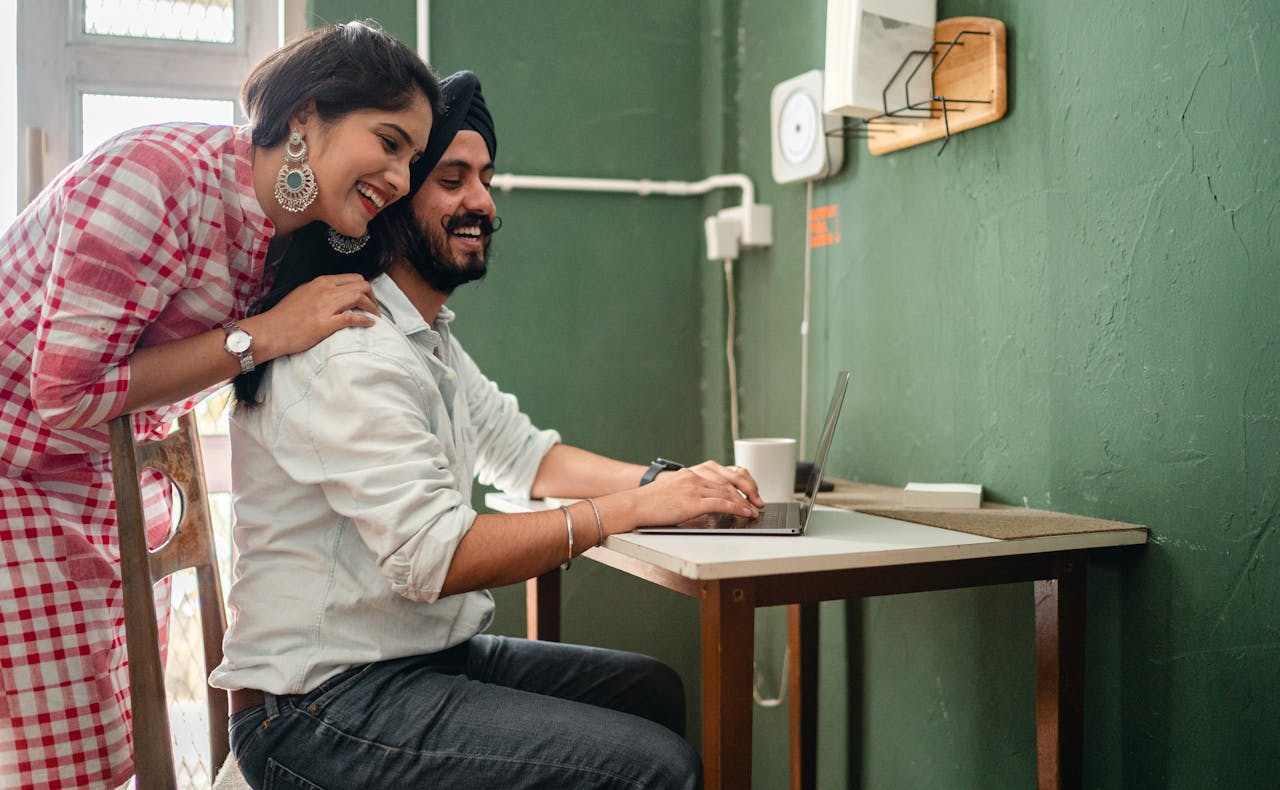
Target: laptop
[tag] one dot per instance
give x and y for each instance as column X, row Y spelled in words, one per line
column 776, row 518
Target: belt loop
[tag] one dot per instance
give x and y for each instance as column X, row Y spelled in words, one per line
column 269, row 702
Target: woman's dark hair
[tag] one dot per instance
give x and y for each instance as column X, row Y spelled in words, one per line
column 309, row 256
column 344, row 68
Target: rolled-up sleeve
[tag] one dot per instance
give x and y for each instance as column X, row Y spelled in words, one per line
column 509, row 449
column 118, row 258
column 356, row 426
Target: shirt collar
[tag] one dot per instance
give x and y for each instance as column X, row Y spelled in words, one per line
column 254, row 228
column 397, row 309
column 254, row 215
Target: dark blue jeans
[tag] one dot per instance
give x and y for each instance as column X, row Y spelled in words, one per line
column 490, row 714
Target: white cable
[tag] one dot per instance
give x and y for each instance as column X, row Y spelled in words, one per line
column 730, row 323
column 758, row 676
column 782, row 683
column 804, row 322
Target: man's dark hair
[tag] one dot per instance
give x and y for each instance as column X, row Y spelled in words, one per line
column 344, row 68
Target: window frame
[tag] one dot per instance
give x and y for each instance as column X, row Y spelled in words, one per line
column 240, row 43
column 57, row 62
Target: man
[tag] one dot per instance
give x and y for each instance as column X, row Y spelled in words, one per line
column 355, row 653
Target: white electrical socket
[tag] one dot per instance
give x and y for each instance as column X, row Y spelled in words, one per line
column 756, row 223
column 736, row 227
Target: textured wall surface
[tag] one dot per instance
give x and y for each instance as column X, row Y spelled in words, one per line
column 1075, row 306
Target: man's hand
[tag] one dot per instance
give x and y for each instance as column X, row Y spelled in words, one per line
column 501, row 549
column 738, row 477
column 678, row 496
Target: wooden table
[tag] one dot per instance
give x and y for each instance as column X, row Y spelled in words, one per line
column 854, row 555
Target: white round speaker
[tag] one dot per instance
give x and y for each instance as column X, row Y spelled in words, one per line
column 798, row 127
column 801, row 148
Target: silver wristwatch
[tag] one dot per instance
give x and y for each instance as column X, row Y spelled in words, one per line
column 240, row 343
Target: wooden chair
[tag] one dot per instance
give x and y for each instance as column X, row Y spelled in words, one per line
column 191, row 546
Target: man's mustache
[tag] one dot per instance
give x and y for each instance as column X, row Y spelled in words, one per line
column 469, row 219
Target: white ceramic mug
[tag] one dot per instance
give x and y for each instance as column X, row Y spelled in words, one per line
column 772, row 462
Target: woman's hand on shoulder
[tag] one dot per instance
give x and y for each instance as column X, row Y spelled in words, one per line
column 315, row 310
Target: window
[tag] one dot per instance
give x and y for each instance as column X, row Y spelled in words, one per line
column 195, row 20
column 87, row 69
column 8, row 109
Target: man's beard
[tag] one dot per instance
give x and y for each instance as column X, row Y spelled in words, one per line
column 439, row 266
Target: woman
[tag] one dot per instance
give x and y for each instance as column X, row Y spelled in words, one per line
column 126, row 284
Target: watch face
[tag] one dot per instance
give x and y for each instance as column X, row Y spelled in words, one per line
column 238, row 341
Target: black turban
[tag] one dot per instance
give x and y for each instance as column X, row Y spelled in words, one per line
column 463, row 108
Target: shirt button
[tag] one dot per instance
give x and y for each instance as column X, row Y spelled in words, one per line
column 448, row 377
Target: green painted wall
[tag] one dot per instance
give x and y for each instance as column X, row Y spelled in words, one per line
column 397, row 17
column 1075, row 306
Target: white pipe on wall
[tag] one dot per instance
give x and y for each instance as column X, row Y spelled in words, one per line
column 644, row 186
column 745, row 225
column 424, row 30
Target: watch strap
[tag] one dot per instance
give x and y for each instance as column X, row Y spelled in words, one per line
column 246, row 356
column 657, row 466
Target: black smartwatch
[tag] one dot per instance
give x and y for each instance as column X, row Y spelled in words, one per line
column 658, row 465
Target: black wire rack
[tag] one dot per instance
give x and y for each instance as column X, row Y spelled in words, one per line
column 913, row 112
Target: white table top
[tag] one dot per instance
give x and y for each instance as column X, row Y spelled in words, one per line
column 835, row 540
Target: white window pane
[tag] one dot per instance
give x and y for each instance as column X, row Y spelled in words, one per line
column 8, row 109
column 105, row 115
column 181, row 20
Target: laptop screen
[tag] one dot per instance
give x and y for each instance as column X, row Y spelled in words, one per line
column 824, row 446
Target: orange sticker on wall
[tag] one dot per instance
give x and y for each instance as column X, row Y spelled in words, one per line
column 824, row 226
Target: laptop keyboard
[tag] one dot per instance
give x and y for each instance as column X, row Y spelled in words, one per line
column 771, row 517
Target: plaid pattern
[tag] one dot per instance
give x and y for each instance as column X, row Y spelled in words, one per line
column 155, row 236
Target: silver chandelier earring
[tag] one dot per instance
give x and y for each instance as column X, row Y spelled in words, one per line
column 296, row 182
column 347, row 244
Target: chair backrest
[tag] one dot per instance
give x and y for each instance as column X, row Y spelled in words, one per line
column 191, row 546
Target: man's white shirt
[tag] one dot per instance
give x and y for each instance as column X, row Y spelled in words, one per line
column 352, row 486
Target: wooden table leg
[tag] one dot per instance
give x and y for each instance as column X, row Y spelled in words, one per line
column 728, row 646
column 542, row 606
column 1060, row 612
column 802, row 641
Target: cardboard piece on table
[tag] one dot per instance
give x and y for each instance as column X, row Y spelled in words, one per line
column 992, row 520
